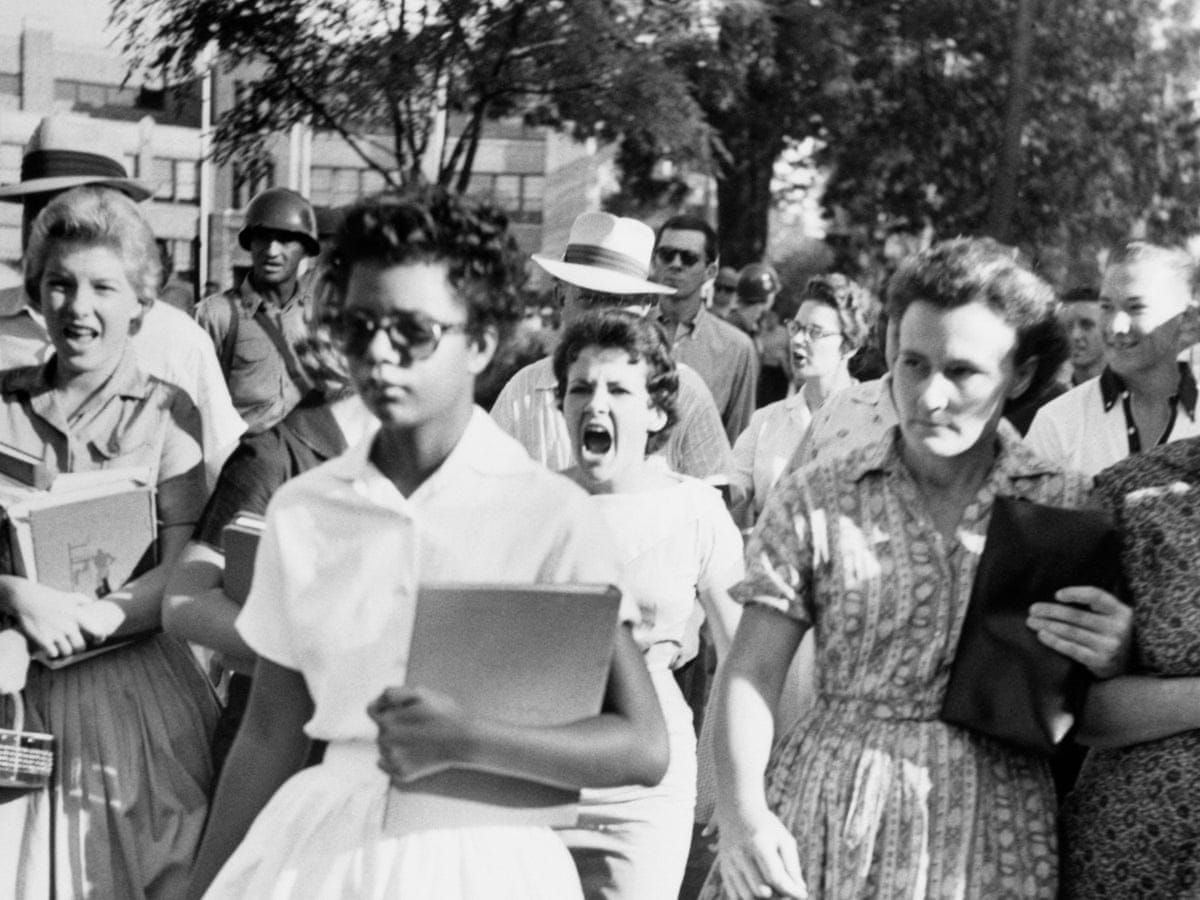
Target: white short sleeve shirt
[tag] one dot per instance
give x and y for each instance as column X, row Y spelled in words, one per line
column 339, row 564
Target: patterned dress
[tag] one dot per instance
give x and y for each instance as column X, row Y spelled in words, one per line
column 885, row 800
column 1131, row 827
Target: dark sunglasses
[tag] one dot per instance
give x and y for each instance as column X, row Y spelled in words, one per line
column 666, row 254
column 414, row 335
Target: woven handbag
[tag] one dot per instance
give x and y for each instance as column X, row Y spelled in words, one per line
column 26, row 757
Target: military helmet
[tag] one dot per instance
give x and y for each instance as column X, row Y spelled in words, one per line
column 757, row 283
column 281, row 209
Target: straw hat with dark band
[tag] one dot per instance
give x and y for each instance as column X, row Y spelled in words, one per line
column 606, row 253
column 66, row 152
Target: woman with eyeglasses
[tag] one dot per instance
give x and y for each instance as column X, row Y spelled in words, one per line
column 830, row 324
column 438, row 494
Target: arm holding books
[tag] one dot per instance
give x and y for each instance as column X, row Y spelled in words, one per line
column 56, row 621
column 422, row 732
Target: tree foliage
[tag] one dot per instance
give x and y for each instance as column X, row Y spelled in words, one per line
column 376, row 73
column 907, row 101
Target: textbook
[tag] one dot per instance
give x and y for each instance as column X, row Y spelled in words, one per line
column 526, row 654
column 25, row 467
column 239, row 543
column 88, row 531
column 85, row 532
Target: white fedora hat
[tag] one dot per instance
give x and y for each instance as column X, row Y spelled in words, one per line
column 66, row 152
column 606, row 253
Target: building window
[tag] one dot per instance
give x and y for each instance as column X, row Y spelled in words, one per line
column 92, row 95
column 248, row 183
column 175, row 180
column 518, row 195
column 341, row 185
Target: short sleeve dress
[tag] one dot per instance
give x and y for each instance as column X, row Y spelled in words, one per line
column 333, row 597
column 673, row 543
column 883, row 798
column 132, row 727
column 1131, row 826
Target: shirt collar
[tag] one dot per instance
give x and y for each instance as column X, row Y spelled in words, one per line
column 1112, row 386
column 1014, row 459
column 15, row 302
column 483, row 448
column 251, row 300
column 688, row 327
column 127, row 381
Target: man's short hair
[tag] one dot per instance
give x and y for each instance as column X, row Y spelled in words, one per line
column 692, row 223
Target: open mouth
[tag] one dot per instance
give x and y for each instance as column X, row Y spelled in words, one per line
column 597, row 440
column 79, row 334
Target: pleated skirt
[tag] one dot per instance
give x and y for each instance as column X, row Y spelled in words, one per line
column 132, row 776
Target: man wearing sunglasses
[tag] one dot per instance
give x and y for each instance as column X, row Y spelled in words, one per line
column 607, row 263
column 685, row 257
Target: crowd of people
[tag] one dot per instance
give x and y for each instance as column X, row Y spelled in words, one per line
column 795, row 539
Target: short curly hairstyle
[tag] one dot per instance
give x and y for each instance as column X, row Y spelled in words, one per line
column 94, row 215
column 854, row 305
column 432, row 225
column 643, row 340
column 956, row 272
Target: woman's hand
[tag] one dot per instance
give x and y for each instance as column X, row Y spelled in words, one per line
column 101, row 618
column 420, row 732
column 52, row 619
column 1088, row 625
column 14, row 661
column 757, row 858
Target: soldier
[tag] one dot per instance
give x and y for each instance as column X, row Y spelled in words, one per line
column 257, row 325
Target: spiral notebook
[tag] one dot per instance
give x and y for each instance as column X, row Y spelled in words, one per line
column 529, row 654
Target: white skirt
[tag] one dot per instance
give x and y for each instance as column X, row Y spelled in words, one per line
column 321, row 838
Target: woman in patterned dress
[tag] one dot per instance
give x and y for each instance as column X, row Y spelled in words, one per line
column 870, row 795
column 1131, row 826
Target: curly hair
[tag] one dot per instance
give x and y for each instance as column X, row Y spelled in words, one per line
column 956, row 272
column 643, row 340
column 854, row 305
column 432, row 225
column 94, row 215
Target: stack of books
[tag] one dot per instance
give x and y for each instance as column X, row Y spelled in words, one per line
column 83, row 532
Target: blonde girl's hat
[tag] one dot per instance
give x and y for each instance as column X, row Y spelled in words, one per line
column 69, row 151
column 608, row 254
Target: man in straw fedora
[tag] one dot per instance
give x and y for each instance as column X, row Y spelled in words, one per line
column 65, row 152
column 607, row 263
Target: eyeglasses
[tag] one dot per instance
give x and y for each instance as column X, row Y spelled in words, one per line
column 812, row 332
column 725, row 288
column 666, row 255
column 414, row 335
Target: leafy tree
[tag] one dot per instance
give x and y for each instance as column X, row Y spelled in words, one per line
column 1052, row 123
column 376, row 73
